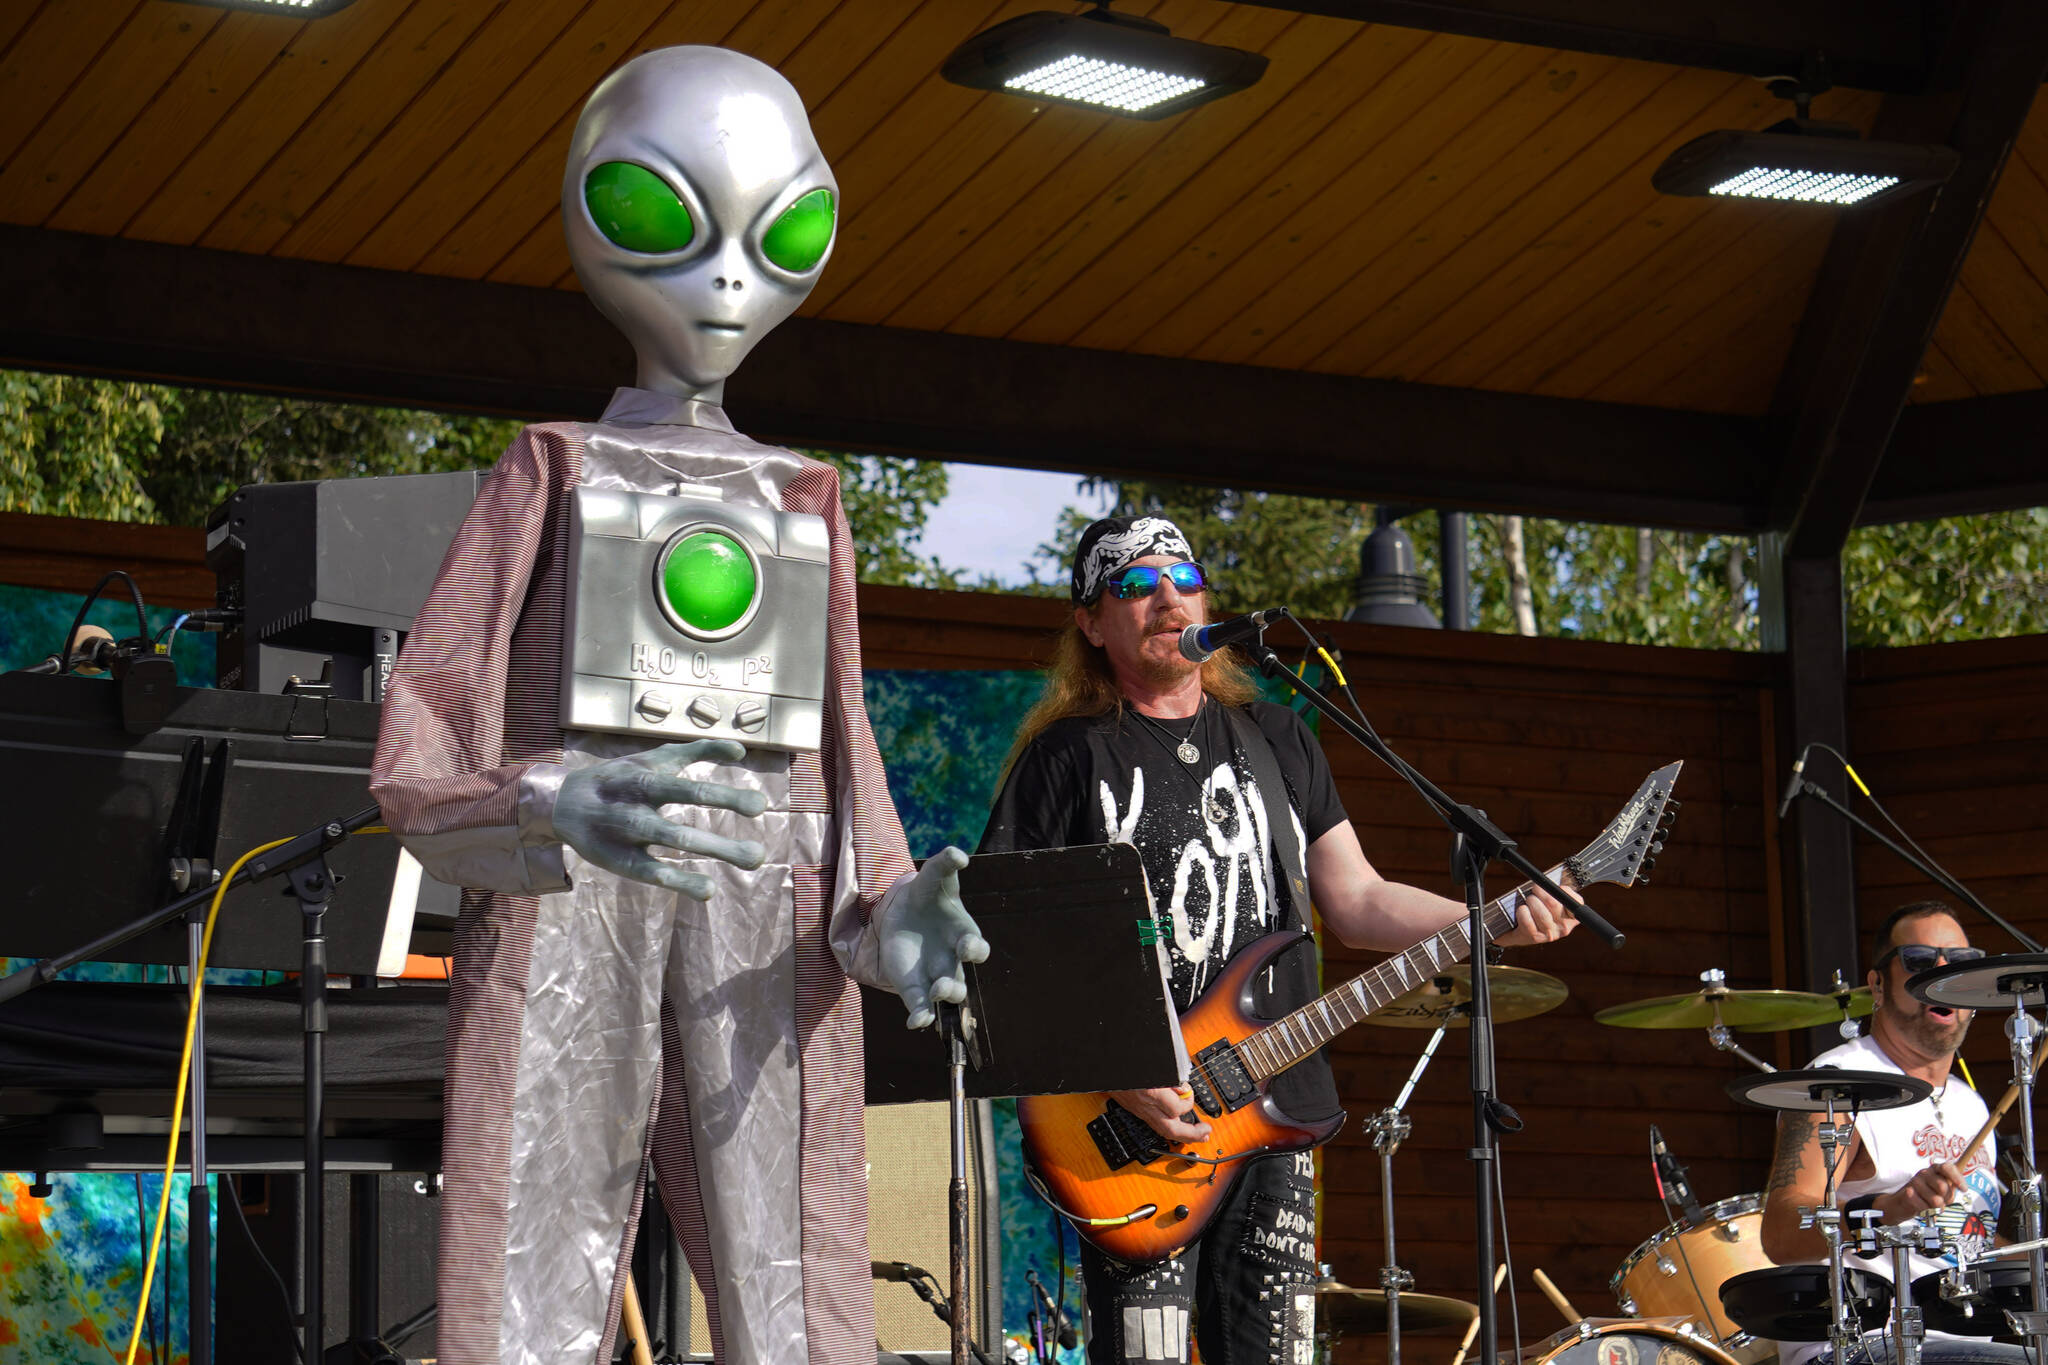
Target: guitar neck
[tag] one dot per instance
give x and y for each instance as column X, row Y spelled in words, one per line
column 1286, row 1041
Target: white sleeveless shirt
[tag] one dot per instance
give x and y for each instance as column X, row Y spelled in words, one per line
column 1902, row 1142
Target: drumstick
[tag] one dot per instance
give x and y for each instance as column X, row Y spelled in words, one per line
column 1556, row 1297
column 1500, row 1272
column 2012, row 1092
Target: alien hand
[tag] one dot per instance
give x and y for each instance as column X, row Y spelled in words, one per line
column 926, row 938
column 610, row 813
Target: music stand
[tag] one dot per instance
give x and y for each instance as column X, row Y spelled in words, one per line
column 1073, row 999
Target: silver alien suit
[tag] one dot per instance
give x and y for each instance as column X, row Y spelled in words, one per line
column 584, row 1004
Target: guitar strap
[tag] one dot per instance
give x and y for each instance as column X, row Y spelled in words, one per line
column 1265, row 766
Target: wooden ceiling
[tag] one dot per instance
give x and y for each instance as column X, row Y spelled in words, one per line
column 1388, row 203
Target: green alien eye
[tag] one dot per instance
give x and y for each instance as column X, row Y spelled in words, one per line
column 636, row 209
column 798, row 239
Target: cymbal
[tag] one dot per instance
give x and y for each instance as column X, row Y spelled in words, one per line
column 1858, row 1004
column 1746, row 1011
column 1807, row 1092
column 1516, row 993
column 1985, row 983
column 1365, row 1310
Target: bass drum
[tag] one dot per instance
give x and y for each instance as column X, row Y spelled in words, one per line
column 1679, row 1272
column 1627, row 1341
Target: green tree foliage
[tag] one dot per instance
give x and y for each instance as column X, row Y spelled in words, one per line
column 141, row 452
column 888, row 500
column 1965, row 578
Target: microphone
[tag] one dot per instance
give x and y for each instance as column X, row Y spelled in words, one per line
column 898, row 1272
column 1197, row 643
column 92, row 649
column 1671, row 1175
column 1792, row 782
column 1060, row 1324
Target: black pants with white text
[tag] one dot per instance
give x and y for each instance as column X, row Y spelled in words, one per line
column 1248, row 1282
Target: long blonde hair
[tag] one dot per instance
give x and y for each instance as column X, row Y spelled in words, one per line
column 1080, row 682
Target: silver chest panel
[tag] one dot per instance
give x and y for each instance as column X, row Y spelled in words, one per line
column 631, row 668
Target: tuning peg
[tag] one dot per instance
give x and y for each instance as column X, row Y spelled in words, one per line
column 1656, row 847
column 1644, row 870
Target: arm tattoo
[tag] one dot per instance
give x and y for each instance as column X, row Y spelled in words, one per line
column 1794, row 1131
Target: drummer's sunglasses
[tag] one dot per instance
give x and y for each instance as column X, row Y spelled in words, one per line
column 1918, row 957
column 1142, row 580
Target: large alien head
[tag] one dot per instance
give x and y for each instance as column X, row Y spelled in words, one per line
column 698, row 208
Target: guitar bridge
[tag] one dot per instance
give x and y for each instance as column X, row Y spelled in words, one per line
column 1123, row 1138
column 1220, row 1081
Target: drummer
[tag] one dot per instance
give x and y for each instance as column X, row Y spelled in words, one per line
column 1900, row 1162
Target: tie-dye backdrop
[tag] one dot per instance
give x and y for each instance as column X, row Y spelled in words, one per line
column 70, row 1264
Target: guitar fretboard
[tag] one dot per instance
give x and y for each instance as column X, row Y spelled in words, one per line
column 1286, row 1041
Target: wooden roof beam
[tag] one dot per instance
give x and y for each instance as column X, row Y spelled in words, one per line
column 188, row 315
column 1887, row 277
column 1870, row 44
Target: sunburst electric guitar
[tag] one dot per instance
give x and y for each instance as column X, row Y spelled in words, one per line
column 1140, row 1197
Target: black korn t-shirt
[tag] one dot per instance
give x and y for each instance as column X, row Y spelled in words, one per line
column 1206, row 834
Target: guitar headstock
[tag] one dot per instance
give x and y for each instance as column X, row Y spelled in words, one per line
column 1627, row 849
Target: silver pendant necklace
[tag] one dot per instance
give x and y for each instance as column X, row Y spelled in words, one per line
column 1189, row 756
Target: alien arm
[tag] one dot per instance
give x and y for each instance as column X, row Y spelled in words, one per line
column 440, row 774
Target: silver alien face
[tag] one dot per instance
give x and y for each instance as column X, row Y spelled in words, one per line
column 698, row 208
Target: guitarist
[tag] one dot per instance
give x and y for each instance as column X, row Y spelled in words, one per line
column 1225, row 797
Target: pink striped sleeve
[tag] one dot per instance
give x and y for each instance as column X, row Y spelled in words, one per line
column 442, row 774
column 873, row 854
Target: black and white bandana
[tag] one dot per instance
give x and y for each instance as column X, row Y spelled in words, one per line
column 1113, row 544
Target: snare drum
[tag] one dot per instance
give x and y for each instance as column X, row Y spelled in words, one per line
column 1679, row 1273
column 1626, row 1341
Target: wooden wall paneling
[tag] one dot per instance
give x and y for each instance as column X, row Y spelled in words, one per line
column 1538, row 132
column 1004, row 252
column 1980, row 347
column 2019, row 211
column 100, row 101
column 870, row 93
column 1095, row 281
column 889, row 179
column 546, row 87
column 1433, row 141
column 1722, row 347
column 2010, row 293
column 1591, row 220
column 18, row 17
column 351, row 120
column 1505, row 201
column 404, row 140
column 55, row 49
column 205, row 88
column 1939, row 380
column 199, row 167
column 840, row 44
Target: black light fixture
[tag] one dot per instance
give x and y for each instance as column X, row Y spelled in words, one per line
column 296, row 9
column 1389, row 591
column 1803, row 160
column 1110, row 63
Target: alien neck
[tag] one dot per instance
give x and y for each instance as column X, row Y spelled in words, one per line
column 656, row 378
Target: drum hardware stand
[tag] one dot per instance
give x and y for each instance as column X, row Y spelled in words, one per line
column 1718, row 1033
column 1844, row 1336
column 1476, row 842
column 1390, row 1128
column 2021, row 1029
column 1908, row 1325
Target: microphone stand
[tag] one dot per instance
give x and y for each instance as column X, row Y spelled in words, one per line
column 1477, row 842
column 1806, row 786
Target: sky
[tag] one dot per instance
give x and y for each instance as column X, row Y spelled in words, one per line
column 993, row 518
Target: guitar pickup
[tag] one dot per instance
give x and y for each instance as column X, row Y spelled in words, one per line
column 1220, row 1081
column 1123, row 1138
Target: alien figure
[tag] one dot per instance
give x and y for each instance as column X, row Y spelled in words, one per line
column 644, row 637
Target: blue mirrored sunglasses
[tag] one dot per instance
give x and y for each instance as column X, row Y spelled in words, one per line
column 1142, row 580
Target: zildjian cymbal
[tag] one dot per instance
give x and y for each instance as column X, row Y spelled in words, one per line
column 1745, row 1011
column 1516, row 993
column 1361, row 1311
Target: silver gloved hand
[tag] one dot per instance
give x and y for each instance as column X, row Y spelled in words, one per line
column 927, row 937
column 610, row 813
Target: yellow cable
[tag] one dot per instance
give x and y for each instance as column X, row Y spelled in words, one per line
column 163, row 1205
column 1865, row 790
column 1968, row 1079
column 1335, row 671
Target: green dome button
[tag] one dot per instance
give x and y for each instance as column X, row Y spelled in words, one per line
column 709, row 581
